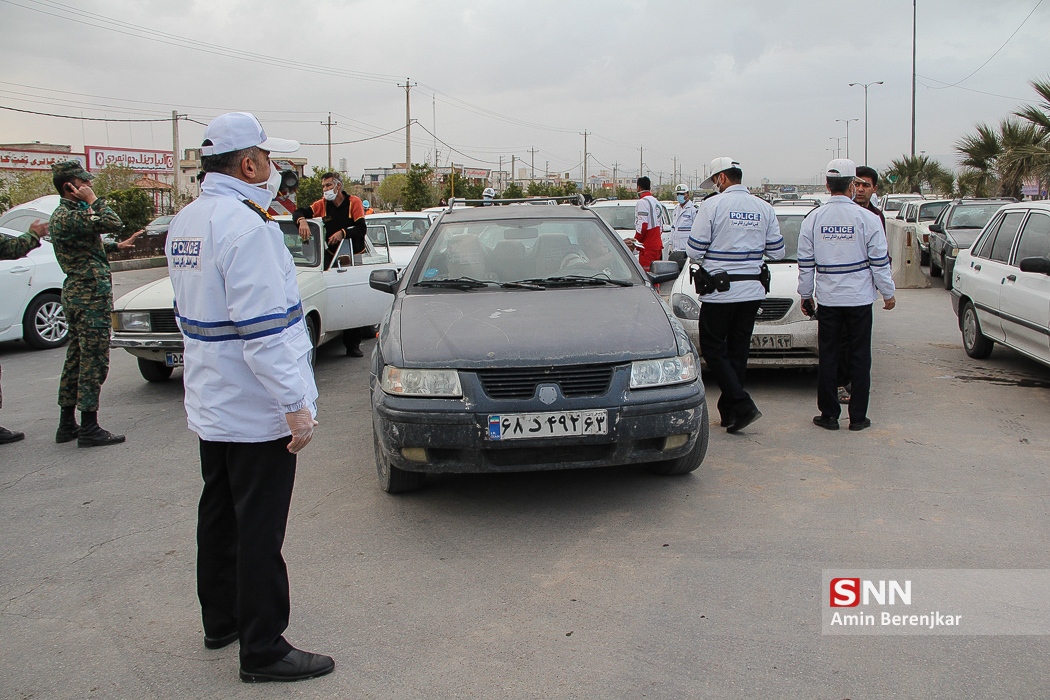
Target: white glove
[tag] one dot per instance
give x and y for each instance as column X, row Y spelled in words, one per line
column 301, row 423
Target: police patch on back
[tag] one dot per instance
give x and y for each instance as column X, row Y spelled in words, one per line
column 747, row 219
column 837, row 233
column 186, row 254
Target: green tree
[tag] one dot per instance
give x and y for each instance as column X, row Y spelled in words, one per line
column 418, row 194
column 513, row 191
column 980, row 152
column 134, row 207
column 392, row 190
column 113, row 178
column 309, row 187
column 624, row 193
column 29, row 186
column 910, row 173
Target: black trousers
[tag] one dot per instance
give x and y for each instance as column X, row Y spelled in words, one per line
column 725, row 341
column 849, row 326
column 242, row 581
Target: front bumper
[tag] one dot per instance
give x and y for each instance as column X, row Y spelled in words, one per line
column 148, row 346
column 454, row 432
column 803, row 350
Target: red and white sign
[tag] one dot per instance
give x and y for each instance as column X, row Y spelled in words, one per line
column 138, row 159
column 35, row 160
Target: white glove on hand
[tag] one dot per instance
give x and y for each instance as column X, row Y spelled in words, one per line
column 301, row 423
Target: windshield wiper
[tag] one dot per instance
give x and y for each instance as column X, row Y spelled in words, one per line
column 578, row 281
column 455, row 283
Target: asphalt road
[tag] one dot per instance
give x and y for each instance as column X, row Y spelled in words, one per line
column 578, row 584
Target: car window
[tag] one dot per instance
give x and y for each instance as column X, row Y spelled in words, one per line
column 22, row 222
column 1035, row 238
column 929, row 212
column 790, row 225
column 893, row 205
column 617, row 217
column 982, row 247
column 303, row 253
column 972, row 215
column 401, row 231
column 513, row 250
column 1004, row 238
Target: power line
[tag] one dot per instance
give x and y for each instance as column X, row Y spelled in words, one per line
column 343, row 143
column 479, row 160
column 83, row 119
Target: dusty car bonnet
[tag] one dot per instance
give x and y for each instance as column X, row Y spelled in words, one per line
column 530, row 328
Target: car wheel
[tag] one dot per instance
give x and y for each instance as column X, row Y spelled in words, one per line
column 688, row 463
column 946, row 275
column 975, row 343
column 153, row 371
column 934, row 270
column 392, row 479
column 44, row 323
column 311, row 327
column 924, row 257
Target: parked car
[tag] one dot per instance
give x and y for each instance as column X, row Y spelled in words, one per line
column 528, row 338
column 783, row 335
column 922, row 214
column 20, row 217
column 159, row 226
column 334, row 299
column 31, row 296
column 892, row 203
column 1001, row 291
column 955, row 230
column 619, row 214
column 401, row 230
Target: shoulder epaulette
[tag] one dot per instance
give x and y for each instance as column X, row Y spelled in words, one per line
column 257, row 209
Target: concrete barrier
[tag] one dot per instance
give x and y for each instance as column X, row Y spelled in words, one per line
column 903, row 242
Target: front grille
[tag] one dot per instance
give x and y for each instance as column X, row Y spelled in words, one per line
column 521, row 382
column 553, row 455
column 163, row 321
column 787, row 354
column 773, row 309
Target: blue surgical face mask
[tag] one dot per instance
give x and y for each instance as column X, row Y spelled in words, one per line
column 681, row 199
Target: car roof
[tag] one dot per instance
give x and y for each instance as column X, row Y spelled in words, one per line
column 792, row 209
column 46, row 205
column 495, row 212
column 400, row 215
column 1040, row 205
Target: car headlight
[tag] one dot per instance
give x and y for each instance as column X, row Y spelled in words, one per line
column 421, row 382
column 663, row 372
column 137, row 321
column 955, row 252
column 684, row 307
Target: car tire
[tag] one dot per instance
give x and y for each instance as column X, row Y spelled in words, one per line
column 934, row 270
column 924, row 257
column 311, row 328
column 976, row 344
column 44, row 323
column 692, row 460
column 946, row 275
column 153, row 371
column 392, row 479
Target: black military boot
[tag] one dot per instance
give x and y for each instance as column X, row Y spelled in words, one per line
column 92, row 434
column 7, row 436
column 67, row 425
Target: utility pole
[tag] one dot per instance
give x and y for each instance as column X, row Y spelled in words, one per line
column 584, row 134
column 329, row 124
column 175, row 148
column 513, row 159
column 533, row 152
column 866, row 86
column 641, row 152
column 616, row 182
column 913, row 34
column 674, row 168
column 408, row 122
column 847, row 121
column 499, row 177
column 434, row 123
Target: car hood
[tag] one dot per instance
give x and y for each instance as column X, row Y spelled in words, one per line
column 528, row 328
column 963, row 237
column 159, row 294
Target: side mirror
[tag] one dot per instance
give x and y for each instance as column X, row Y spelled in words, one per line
column 663, row 271
column 383, row 281
column 1036, row 264
column 936, row 228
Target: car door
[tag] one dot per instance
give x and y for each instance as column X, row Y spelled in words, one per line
column 936, row 239
column 990, row 266
column 15, row 279
column 351, row 302
column 1024, row 303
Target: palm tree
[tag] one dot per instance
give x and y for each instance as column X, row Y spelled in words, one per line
column 1036, row 156
column 980, row 152
column 1038, row 115
column 910, row 173
column 1024, row 156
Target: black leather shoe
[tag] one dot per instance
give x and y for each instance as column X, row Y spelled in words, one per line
column 297, row 666
column 826, row 422
column 67, row 432
column 220, row 642
column 743, row 421
column 354, row 352
column 7, row 436
column 726, row 422
column 97, row 437
column 860, row 425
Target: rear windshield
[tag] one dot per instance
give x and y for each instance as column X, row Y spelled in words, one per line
column 617, row 217
column 972, row 215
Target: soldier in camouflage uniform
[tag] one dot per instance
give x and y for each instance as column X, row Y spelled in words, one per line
column 12, row 248
column 87, row 295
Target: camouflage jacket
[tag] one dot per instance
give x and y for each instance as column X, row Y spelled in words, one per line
column 13, row 247
column 76, row 233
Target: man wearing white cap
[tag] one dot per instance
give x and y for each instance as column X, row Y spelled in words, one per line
column 732, row 234
column 842, row 261
column 681, row 225
column 250, row 394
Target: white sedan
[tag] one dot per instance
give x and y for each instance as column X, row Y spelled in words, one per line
column 31, row 296
column 783, row 335
column 334, row 299
column 401, row 231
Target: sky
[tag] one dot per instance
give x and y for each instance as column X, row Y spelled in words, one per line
column 685, row 81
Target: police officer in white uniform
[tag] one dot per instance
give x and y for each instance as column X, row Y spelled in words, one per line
column 842, row 260
column 681, row 225
column 732, row 234
column 250, row 394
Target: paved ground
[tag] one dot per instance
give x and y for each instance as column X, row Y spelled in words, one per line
column 579, row 584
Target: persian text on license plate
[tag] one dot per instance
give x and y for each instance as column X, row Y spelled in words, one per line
column 173, row 359
column 771, row 342
column 517, row 426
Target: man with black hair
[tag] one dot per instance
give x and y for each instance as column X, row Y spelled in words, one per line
column 648, row 229
column 732, row 234
column 343, row 215
column 842, row 261
column 250, row 394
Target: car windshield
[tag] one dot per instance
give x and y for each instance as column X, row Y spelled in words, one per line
column 400, row 230
column 538, row 252
column 972, row 215
column 790, row 225
column 303, row 253
column 621, row 217
column 930, row 212
column 893, row 204
column 161, row 220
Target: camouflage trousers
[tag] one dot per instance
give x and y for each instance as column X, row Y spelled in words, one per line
column 1, row 389
column 87, row 359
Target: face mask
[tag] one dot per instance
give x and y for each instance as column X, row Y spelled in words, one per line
column 330, row 195
column 273, row 183
column 681, row 199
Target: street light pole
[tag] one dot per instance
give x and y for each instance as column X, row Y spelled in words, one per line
column 866, row 86
column 838, row 145
column 847, row 121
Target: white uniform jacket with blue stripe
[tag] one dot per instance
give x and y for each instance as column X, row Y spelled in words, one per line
column 681, row 226
column 842, row 255
column 733, row 232
column 237, row 303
